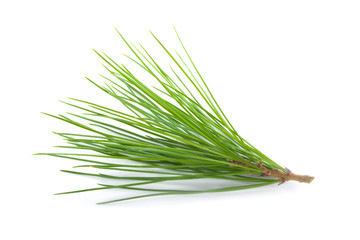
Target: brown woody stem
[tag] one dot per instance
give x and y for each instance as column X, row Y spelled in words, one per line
column 282, row 176
column 285, row 176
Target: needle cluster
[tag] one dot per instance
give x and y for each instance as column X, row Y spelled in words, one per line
column 172, row 132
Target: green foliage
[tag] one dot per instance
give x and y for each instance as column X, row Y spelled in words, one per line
column 173, row 132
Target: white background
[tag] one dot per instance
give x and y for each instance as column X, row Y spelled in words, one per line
column 285, row 72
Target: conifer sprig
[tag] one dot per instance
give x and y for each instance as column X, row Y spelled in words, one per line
column 173, row 132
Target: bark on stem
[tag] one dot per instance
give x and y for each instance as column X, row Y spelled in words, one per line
column 282, row 176
column 285, row 176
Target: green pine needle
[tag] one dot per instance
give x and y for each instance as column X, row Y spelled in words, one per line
column 173, row 132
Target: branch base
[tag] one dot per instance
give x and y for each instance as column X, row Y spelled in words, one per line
column 285, row 176
column 282, row 176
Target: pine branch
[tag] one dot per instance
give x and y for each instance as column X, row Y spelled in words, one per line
column 172, row 132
